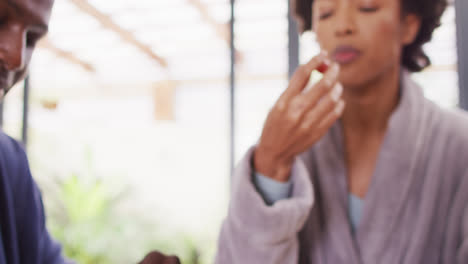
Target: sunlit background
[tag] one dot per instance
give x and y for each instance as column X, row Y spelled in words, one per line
column 129, row 117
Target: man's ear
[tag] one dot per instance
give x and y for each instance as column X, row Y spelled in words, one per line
column 411, row 25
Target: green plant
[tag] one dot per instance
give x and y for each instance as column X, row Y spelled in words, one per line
column 87, row 215
column 83, row 221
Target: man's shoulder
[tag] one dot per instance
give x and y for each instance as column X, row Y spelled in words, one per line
column 10, row 149
column 14, row 166
column 7, row 141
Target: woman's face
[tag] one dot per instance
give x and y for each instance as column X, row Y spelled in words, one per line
column 365, row 37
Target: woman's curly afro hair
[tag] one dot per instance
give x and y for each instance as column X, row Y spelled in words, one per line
column 414, row 58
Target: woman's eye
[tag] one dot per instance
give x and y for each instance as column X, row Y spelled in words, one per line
column 325, row 15
column 368, row 9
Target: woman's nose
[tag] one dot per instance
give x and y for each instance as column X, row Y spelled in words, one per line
column 346, row 24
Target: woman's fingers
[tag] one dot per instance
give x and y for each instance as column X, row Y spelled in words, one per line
column 313, row 95
column 294, row 123
column 301, row 77
column 303, row 103
column 332, row 117
column 319, row 119
column 323, row 108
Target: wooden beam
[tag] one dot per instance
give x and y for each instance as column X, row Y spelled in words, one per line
column 107, row 22
column 164, row 100
column 45, row 43
column 222, row 30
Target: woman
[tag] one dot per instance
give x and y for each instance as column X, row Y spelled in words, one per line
column 382, row 180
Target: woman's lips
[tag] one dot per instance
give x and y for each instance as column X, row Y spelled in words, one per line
column 346, row 54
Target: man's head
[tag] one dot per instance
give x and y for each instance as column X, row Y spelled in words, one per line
column 22, row 24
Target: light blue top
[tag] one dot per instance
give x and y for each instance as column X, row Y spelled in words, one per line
column 273, row 191
column 355, row 205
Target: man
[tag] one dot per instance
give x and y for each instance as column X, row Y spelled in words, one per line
column 24, row 238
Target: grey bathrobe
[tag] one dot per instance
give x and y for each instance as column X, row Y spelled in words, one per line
column 415, row 212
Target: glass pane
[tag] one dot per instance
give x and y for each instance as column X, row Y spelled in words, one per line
column 132, row 155
column 262, row 74
column 440, row 81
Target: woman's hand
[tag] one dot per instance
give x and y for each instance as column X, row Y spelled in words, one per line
column 300, row 117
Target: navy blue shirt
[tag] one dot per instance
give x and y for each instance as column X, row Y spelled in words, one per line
column 2, row 252
column 22, row 221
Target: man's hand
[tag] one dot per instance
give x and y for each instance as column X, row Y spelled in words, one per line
column 156, row 257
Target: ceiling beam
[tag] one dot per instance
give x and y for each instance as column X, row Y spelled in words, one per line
column 222, row 30
column 45, row 43
column 107, row 22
